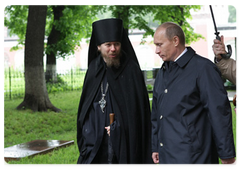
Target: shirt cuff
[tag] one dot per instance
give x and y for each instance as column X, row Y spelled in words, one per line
column 216, row 60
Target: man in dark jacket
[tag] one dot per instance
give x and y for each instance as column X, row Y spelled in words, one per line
column 113, row 84
column 191, row 115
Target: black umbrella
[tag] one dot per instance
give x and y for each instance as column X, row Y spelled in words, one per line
column 229, row 53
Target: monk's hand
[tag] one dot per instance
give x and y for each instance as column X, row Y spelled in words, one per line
column 108, row 130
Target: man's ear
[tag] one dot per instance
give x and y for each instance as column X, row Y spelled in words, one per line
column 176, row 40
column 98, row 47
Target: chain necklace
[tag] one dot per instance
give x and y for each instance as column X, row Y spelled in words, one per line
column 103, row 102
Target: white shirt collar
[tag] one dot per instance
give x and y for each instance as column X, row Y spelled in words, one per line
column 181, row 54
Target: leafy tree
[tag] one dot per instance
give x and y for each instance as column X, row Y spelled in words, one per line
column 69, row 25
column 65, row 27
column 179, row 14
column 36, row 96
column 232, row 14
column 139, row 17
column 16, row 21
column 53, row 39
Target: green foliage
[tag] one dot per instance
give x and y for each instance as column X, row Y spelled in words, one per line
column 228, row 83
column 16, row 21
column 25, row 125
column 139, row 17
column 14, row 82
column 60, row 86
column 149, row 87
column 75, row 24
column 232, row 14
column 234, row 123
column 178, row 14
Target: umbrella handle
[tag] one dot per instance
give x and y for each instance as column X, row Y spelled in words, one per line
column 235, row 100
column 111, row 117
column 229, row 52
column 110, row 149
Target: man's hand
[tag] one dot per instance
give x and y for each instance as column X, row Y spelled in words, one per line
column 108, row 130
column 228, row 161
column 155, row 157
column 219, row 48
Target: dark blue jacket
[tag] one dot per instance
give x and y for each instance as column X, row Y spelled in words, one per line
column 191, row 114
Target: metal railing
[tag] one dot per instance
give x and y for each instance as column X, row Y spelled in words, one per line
column 68, row 80
column 14, row 82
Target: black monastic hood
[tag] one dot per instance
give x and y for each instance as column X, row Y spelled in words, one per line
column 109, row 30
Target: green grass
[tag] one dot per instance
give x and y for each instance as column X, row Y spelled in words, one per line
column 14, row 83
column 235, row 127
column 24, row 126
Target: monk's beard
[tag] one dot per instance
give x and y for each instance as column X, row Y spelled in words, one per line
column 112, row 62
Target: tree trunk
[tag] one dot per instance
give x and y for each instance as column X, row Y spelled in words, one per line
column 53, row 38
column 36, row 96
column 123, row 13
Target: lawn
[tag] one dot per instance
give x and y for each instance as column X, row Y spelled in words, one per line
column 24, row 126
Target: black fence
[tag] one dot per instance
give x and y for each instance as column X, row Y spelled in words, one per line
column 14, row 82
column 67, row 80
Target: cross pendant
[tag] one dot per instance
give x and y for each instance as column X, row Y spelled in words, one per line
column 102, row 103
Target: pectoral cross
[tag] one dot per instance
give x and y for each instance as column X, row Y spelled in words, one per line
column 102, row 103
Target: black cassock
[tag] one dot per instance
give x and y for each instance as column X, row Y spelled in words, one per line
column 96, row 138
column 126, row 97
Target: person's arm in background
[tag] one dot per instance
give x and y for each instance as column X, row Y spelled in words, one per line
column 226, row 66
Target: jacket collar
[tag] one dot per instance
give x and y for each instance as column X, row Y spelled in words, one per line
column 184, row 59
